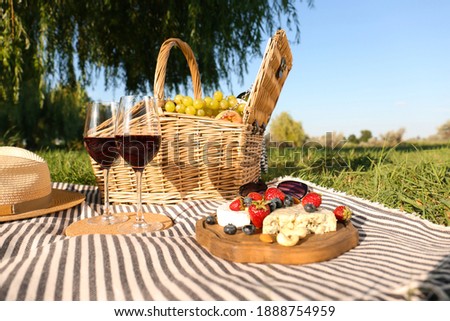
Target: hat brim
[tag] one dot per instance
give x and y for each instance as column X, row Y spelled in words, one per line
column 61, row 200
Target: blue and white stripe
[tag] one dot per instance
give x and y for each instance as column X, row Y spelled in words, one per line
column 399, row 257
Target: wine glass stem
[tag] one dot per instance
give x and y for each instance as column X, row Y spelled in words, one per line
column 106, row 213
column 139, row 214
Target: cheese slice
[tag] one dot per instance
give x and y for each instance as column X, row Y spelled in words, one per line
column 296, row 219
column 226, row 216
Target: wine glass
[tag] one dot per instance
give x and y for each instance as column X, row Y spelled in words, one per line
column 100, row 144
column 138, row 138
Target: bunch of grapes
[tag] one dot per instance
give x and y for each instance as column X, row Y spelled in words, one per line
column 206, row 107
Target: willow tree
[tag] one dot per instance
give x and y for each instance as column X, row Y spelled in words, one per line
column 47, row 41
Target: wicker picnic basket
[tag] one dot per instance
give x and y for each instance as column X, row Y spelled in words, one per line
column 200, row 157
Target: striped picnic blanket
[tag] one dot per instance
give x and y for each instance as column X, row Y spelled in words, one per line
column 399, row 257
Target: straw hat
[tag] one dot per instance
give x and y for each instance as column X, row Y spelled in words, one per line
column 25, row 187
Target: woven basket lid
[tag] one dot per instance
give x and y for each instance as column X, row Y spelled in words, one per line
column 25, row 186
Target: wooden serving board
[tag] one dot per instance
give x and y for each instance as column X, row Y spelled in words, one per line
column 244, row 248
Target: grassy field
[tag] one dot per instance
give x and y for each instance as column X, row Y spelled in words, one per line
column 407, row 177
column 413, row 179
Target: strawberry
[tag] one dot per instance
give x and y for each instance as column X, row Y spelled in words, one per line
column 312, row 198
column 343, row 213
column 255, row 196
column 258, row 212
column 273, row 192
column 237, row 204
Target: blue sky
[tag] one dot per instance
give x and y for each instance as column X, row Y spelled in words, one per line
column 363, row 64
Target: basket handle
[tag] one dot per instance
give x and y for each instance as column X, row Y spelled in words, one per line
column 161, row 67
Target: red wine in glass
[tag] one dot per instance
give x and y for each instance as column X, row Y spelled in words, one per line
column 102, row 149
column 138, row 150
column 138, row 139
column 100, row 144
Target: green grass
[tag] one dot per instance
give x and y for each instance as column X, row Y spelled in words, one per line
column 72, row 166
column 416, row 180
column 410, row 178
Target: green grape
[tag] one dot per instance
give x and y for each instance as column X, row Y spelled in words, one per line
column 180, row 108
column 188, row 101
column 224, row 104
column 232, row 101
column 169, row 106
column 178, row 99
column 241, row 108
column 207, row 100
column 201, row 112
column 214, row 104
column 218, row 95
column 190, row 110
column 209, row 112
column 199, row 104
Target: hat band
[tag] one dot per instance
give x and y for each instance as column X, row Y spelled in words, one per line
column 27, row 206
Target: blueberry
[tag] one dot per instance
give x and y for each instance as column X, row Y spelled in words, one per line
column 310, row 208
column 249, row 229
column 211, row 220
column 230, row 229
column 247, row 201
column 273, row 206
column 277, row 201
column 288, row 201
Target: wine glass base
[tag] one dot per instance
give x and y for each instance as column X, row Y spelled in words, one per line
column 108, row 220
column 133, row 227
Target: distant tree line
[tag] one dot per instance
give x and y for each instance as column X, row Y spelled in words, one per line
column 284, row 131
